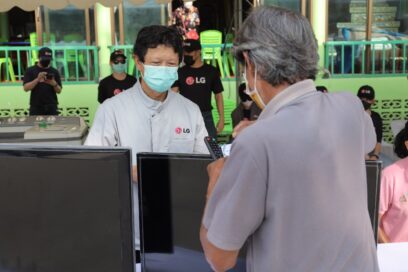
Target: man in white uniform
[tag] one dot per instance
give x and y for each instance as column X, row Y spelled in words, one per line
column 148, row 117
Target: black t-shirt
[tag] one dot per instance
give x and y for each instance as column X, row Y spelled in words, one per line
column 377, row 122
column 197, row 84
column 110, row 86
column 43, row 93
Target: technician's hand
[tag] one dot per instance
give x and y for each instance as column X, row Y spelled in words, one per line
column 41, row 76
column 241, row 126
column 214, row 170
column 134, row 173
column 220, row 126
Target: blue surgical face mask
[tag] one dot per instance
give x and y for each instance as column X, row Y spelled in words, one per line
column 160, row 78
column 119, row 68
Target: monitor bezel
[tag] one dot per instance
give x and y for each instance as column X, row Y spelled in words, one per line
column 29, row 150
column 157, row 155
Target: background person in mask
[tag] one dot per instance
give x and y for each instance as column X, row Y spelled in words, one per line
column 148, row 117
column 367, row 95
column 44, row 82
column 294, row 186
column 197, row 81
column 118, row 80
column 247, row 110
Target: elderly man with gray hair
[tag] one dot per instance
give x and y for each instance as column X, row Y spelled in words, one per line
column 294, row 185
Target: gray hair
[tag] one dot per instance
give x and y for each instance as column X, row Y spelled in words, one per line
column 280, row 43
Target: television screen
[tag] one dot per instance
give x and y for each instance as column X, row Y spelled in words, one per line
column 65, row 209
column 172, row 194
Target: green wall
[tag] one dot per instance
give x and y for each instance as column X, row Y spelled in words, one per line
column 385, row 87
column 391, row 95
column 76, row 99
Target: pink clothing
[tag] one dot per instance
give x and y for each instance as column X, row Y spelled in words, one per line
column 394, row 201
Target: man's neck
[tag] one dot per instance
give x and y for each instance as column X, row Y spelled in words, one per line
column 42, row 67
column 198, row 63
column 119, row 76
column 271, row 91
column 152, row 94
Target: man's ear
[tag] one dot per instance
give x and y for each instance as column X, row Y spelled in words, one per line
column 406, row 145
column 249, row 65
column 138, row 63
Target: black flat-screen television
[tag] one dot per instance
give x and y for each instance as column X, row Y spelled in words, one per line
column 65, row 209
column 172, row 194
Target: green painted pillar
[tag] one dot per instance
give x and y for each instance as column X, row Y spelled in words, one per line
column 4, row 33
column 319, row 23
column 103, row 38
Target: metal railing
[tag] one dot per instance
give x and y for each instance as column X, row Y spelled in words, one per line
column 76, row 64
column 349, row 58
column 225, row 61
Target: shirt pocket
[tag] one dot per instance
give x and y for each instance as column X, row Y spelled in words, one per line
column 181, row 145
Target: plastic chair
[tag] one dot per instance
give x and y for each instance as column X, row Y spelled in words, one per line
column 9, row 66
column 34, row 53
column 131, row 67
column 33, row 43
column 230, row 57
column 72, row 56
column 47, row 40
column 214, row 38
column 229, row 106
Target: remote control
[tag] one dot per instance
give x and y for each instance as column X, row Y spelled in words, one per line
column 213, row 147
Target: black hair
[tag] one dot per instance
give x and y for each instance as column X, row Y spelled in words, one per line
column 241, row 92
column 399, row 143
column 177, row 4
column 322, row 89
column 155, row 35
column 366, row 87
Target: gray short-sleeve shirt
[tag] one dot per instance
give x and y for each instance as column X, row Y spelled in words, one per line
column 294, row 186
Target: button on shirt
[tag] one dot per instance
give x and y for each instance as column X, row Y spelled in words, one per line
column 294, row 186
column 132, row 119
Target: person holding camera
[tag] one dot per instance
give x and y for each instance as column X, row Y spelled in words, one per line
column 44, row 82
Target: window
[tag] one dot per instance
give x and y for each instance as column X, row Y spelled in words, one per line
column 294, row 5
column 390, row 16
column 64, row 26
column 138, row 16
column 381, row 50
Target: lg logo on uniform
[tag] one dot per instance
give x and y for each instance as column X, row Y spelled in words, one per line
column 180, row 130
column 197, row 80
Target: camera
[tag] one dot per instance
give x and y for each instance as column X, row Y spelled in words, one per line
column 49, row 76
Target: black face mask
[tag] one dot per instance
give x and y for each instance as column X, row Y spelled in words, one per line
column 188, row 60
column 44, row 63
column 366, row 105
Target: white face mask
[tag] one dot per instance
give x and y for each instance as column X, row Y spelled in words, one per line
column 254, row 94
column 247, row 104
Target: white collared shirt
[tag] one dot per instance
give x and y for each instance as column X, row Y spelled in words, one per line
column 132, row 119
